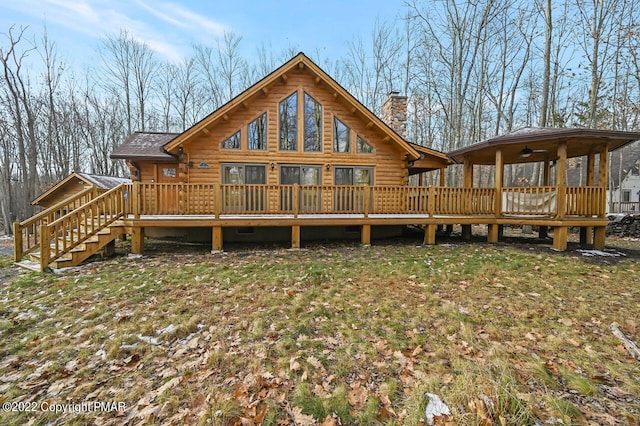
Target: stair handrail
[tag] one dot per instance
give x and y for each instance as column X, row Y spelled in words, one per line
column 28, row 231
column 81, row 224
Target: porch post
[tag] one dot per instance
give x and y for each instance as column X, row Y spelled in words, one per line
column 442, row 183
column 600, row 231
column 137, row 240
column 493, row 229
column 216, row 239
column 17, row 242
column 586, row 233
column 135, row 199
column 543, row 231
column 468, row 183
column 560, row 232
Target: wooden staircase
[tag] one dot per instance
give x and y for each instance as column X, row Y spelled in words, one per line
column 102, row 243
column 67, row 234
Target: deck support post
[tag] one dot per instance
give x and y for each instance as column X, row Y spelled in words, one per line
column 560, row 238
column 365, row 235
column 45, row 247
column 17, row 242
column 295, row 237
column 493, row 233
column 430, row 234
column 137, row 240
column 467, row 234
column 586, row 236
column 599, row 238
column 216, row 239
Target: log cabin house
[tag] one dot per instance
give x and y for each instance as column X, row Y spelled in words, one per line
column 296, row 156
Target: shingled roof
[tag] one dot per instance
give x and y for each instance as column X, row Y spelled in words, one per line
column 145, row 146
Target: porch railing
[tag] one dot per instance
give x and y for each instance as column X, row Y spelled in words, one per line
column 27, row 233
column 214, row 199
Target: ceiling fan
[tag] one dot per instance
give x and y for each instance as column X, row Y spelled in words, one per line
column 526, row 152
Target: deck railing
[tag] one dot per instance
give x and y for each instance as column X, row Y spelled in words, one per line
column 27, row 233
column 626, row 207
column 204, row 199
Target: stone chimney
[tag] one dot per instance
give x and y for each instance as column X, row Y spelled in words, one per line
column 394, row 113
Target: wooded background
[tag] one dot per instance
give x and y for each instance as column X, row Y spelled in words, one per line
column 471, row 70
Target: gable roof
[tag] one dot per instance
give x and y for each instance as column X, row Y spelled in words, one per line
column 99, row 181
column 145, row 146
column 301, row 62
column 579, row 143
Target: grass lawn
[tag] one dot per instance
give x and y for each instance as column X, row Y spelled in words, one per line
column 331, row 334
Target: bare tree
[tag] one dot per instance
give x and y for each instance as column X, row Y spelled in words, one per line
column 22, row 111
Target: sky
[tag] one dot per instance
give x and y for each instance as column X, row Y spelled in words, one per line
column 172, row 27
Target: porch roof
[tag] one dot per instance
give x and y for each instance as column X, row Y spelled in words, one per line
column 145, row 146
column 541, row 143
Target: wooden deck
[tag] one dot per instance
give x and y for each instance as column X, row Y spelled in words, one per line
column 134, row 207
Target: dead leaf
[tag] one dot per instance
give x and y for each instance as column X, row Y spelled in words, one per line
column 328, row 421
column 302, row 419
column 294, row 365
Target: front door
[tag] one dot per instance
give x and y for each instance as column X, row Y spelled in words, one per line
column 167, row 193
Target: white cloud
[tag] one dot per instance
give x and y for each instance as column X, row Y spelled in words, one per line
column 97, row 18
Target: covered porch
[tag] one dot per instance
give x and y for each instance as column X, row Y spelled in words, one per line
column 553, row 205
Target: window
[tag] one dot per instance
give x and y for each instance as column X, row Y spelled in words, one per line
column 244, row 199
column 288, row 118
column 238, row 174
column 170, row 172
column 301, row 175
column 310, row 199
column 362, row 146
column 635, row 171
column 341, row 136
column 257, row 133
column 233, row 142
column 353, row 175
column 312, row 124
column 626, row 196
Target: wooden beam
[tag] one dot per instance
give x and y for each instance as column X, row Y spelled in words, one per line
column 546, row 177
column 300, row 66
column 265, row 91
column 205, row 131
column 225, row 117
column 17, row 242
column 317, row 80
column 335, row 95
column 353, row 110
column 369, row 124
column 386, row 139
column 284, row 78
column 245, row 105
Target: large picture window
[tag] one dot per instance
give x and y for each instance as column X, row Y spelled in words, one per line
column 312, row 124
column 239, row 174
column 257, row 133
column 353, row 176
column 341, row 136
column 288, row 121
